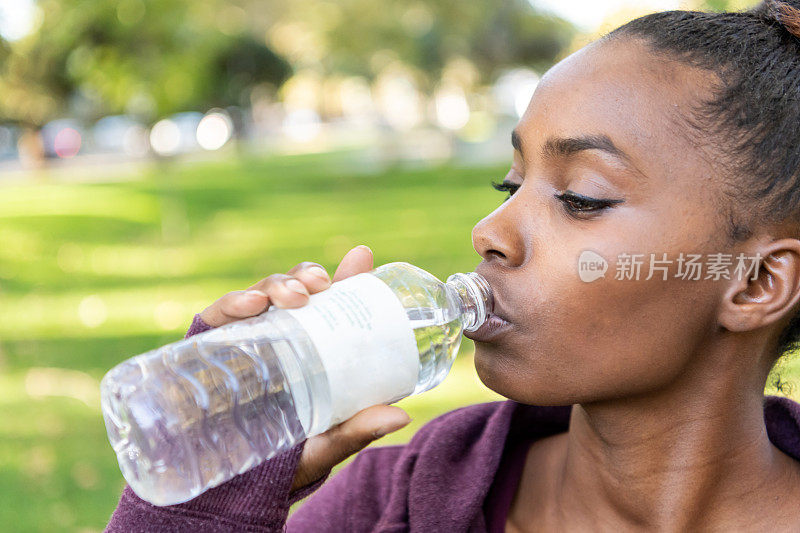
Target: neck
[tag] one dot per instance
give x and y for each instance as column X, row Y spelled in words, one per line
column 692, row 455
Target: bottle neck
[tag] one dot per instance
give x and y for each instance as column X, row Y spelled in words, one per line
column 476, row 298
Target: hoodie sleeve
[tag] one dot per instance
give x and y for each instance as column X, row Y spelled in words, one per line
column 257, row 500
column 360, row 497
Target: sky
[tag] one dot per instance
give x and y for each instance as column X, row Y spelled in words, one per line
column 18, row 17
column 589, row 14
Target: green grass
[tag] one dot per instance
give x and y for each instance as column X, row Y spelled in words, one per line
column 91, row 274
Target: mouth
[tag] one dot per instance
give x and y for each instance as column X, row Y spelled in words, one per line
column 493, row 327
column 497, row 308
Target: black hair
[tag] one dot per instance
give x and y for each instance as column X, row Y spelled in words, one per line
column 752, row 119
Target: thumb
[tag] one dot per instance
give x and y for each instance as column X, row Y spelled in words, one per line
column 324, row 451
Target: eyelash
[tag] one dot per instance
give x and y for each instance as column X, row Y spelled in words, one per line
column 506, row 186
column 575, row 204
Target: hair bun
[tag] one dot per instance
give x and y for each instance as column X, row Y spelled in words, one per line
column 784, row 12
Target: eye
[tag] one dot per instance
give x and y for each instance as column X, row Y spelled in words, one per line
column 506, row 186
column 577, row 204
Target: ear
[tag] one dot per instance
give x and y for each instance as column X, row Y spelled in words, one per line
column 754, row 303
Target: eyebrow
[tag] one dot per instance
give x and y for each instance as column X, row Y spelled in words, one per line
column 556, row 147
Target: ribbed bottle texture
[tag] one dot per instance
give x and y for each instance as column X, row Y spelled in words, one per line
column 193, row 414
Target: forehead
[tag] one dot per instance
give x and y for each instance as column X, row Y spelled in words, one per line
column 620, row 89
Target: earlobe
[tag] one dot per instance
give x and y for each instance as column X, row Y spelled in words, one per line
column 754, row 303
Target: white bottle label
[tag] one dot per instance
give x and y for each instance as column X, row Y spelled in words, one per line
column 366, row 343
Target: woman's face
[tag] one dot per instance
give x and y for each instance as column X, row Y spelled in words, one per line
column 603, row 123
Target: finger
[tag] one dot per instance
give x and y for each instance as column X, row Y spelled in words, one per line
column 284, row 291
column 313, row 275
column 235, row 305
column 356, row 261
column 322, row 452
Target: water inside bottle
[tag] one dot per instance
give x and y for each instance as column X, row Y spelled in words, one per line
column 193, row 414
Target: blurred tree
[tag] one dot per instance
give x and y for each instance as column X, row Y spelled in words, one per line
column 154, row 57
column 242, row 64
column 145, row 57
column 361, row 36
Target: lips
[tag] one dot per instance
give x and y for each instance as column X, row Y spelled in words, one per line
column 496, row 323
column 497, row 308
column 493, row 327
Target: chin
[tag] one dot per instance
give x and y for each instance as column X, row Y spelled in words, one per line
column 486, row 370
column 498, row 374
column 495, row 372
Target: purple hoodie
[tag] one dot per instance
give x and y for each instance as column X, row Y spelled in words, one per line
column 458, row 473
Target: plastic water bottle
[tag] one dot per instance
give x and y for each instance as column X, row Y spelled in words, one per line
column 195, row 413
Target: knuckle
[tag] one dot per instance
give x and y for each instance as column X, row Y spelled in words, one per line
column 274, row 279
column 315, row 273
column 220, row 311
column 230, row 304
column 226, row 300
column 270, row 281
column 222, row 303
column 283, row 286
column 349, row 441
column 305, row 265
column 301, row 268
column 237, row 307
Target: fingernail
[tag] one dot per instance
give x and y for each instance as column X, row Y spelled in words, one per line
column 296, row 286
column 319, row 272
column 359, row 246
column 255, row 293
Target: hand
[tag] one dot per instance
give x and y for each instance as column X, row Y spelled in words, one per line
column 321, row 452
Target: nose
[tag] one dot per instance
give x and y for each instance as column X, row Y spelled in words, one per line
column 498, row 238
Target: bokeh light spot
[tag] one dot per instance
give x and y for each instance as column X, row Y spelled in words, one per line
column 67, row 143
column 165, row 137
column 92, row 311
column 214, row 130
column 169, row 315
column 45, row 382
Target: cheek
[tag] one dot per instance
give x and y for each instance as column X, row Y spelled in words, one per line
column 635, row 336
column 586, row 341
